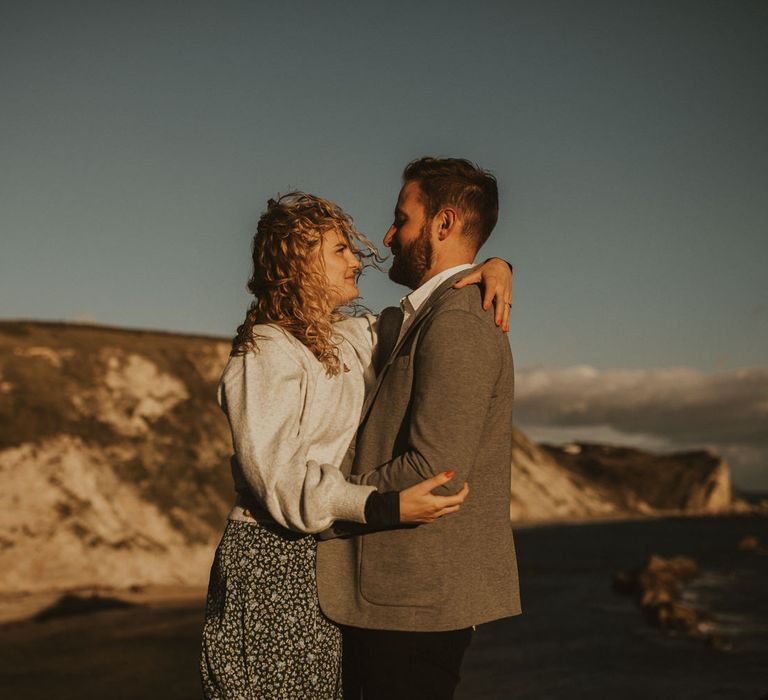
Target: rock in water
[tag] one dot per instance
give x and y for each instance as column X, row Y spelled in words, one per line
column 657, row 586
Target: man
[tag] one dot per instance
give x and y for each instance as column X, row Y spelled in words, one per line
column 408, row 598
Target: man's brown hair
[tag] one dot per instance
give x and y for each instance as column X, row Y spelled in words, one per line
column 457, row 182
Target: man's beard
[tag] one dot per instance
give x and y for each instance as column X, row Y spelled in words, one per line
column 411, row 262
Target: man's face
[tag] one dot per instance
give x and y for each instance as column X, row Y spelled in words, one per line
column 409, row 239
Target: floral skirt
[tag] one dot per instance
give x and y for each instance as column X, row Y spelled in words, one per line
column 265, row 636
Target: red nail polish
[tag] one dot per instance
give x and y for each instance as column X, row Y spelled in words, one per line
column 449, row 473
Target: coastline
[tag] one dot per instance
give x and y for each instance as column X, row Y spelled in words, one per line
column 576, row 638
column 18, row 606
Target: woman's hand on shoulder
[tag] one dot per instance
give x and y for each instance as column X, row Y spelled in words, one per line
column 495, row 277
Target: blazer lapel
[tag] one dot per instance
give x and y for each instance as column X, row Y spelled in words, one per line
column 424, row 311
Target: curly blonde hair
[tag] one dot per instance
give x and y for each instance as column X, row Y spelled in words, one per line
column 289, row 282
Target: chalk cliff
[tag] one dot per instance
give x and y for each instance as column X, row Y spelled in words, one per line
column 584, row 480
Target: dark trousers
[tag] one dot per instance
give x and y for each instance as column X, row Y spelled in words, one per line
column 386, row 665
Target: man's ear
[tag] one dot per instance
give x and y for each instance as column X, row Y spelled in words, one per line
column 447, row 222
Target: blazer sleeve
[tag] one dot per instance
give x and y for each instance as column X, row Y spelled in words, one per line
column 263, row 395
column 457, row 364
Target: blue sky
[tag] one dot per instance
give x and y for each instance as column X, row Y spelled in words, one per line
column 140, row 141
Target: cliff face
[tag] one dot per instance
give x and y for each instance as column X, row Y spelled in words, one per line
column 113, row 456
column 587, row 481
column 639, row 482
column 543, row 490
column 114, row 462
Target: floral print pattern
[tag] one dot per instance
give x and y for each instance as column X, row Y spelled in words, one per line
column 265, row 636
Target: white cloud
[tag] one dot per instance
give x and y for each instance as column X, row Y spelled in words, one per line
column 657, row 409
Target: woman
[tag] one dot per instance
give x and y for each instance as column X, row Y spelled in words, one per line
column 292, row 391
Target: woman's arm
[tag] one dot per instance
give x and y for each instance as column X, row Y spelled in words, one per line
column 263, row 394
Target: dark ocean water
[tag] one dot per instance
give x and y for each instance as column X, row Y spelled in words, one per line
column 576, row 639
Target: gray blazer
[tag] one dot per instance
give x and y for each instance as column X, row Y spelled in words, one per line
column 443, row 401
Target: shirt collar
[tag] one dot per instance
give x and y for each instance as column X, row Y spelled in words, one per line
column 418, row 296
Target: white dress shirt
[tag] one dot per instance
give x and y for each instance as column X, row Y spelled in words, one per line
column 410, row 304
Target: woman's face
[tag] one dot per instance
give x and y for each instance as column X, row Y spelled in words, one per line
column 341, row 267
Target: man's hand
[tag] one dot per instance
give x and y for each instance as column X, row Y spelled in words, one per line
column 495, row 276
column 419, row 505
